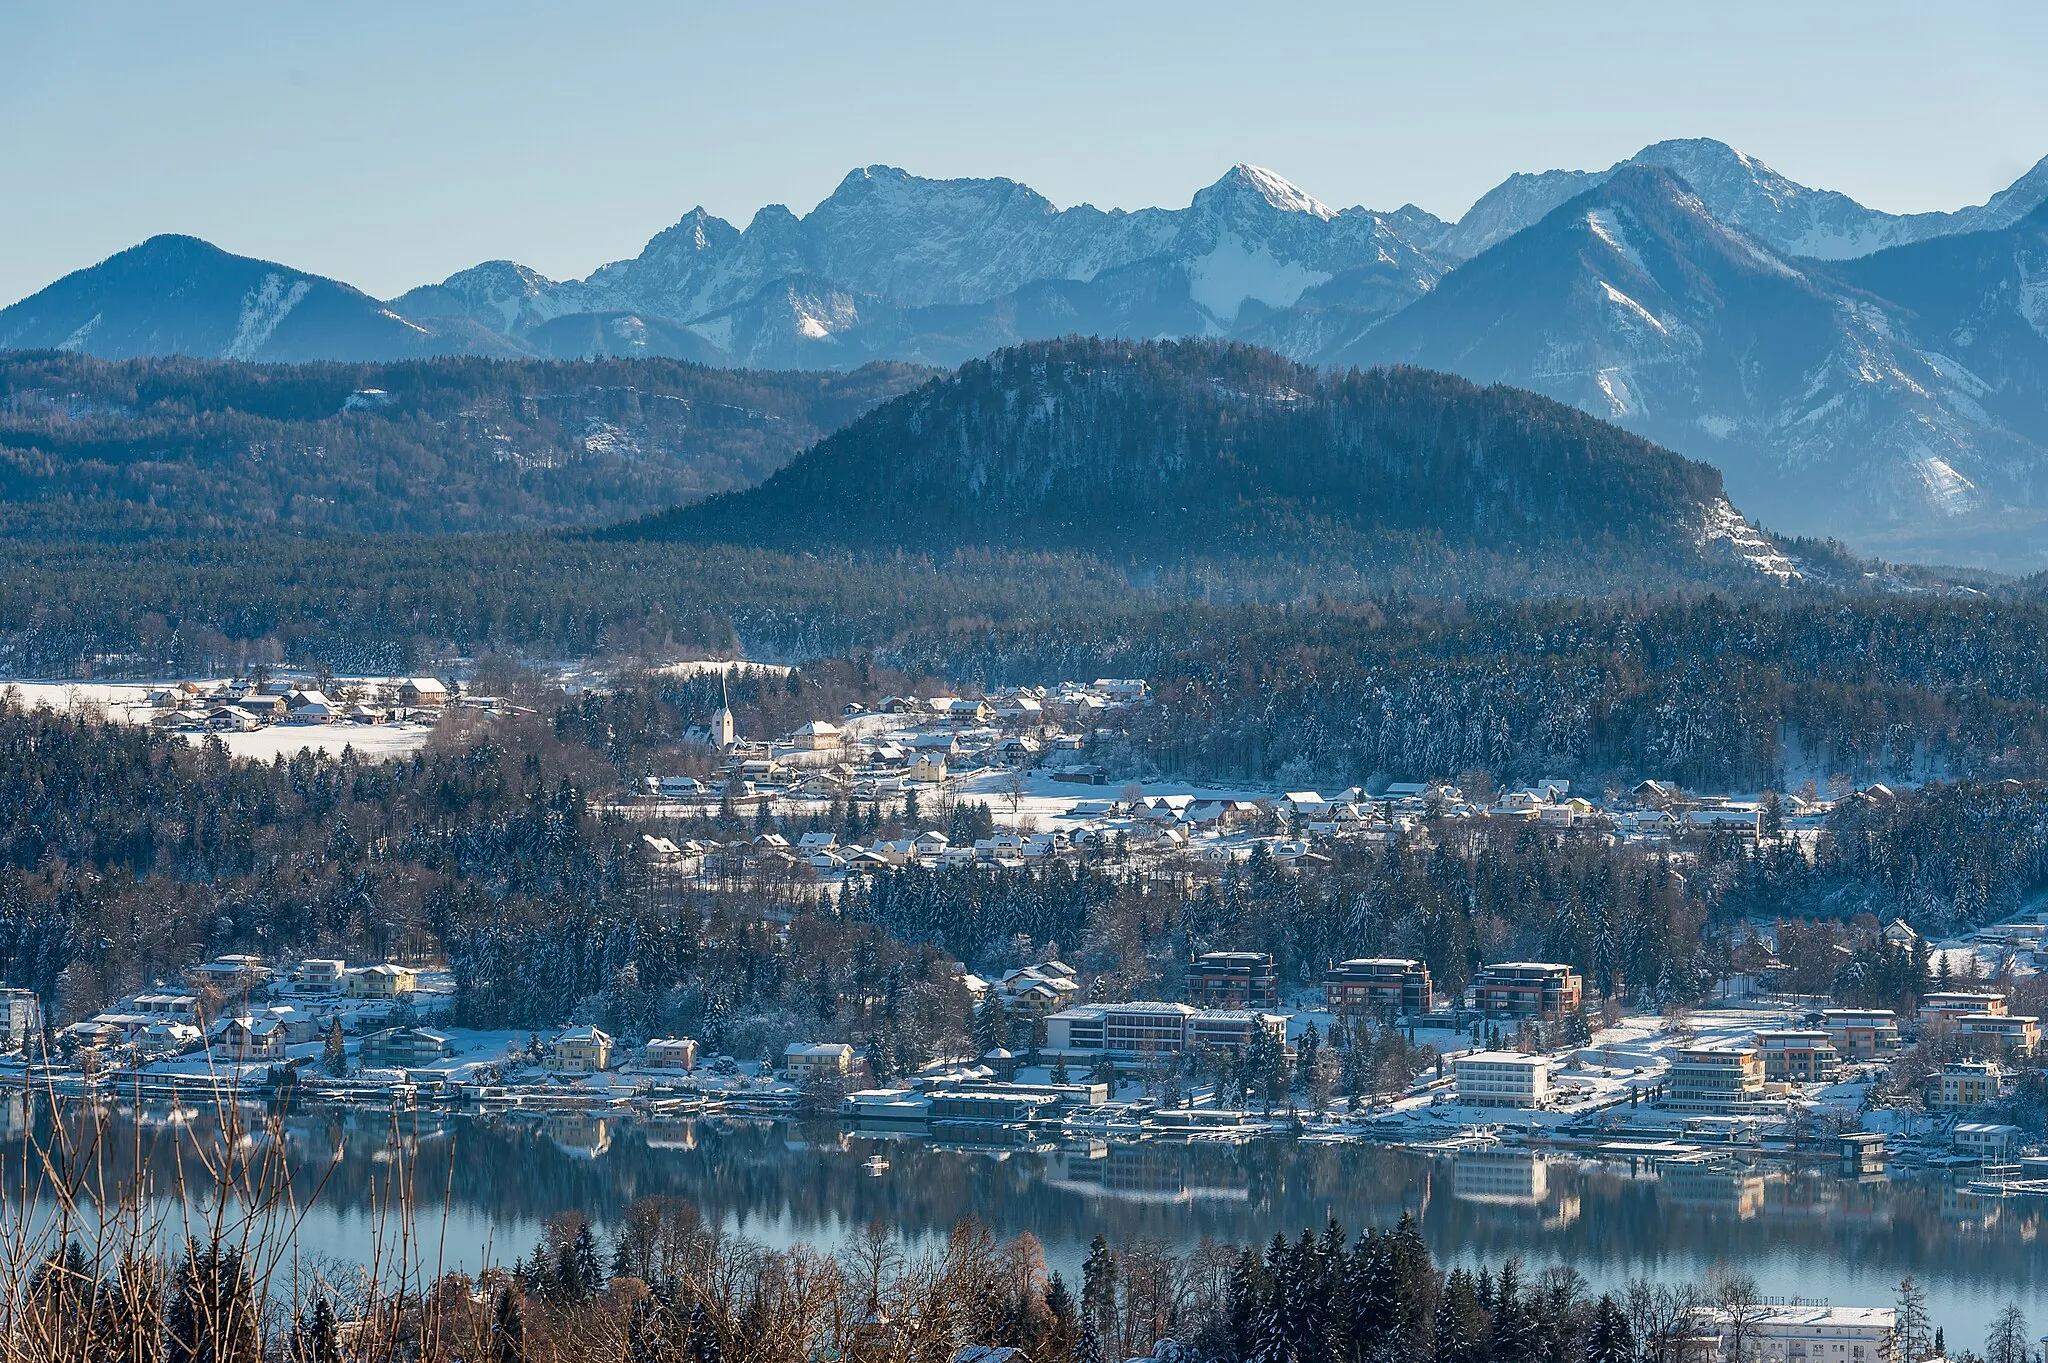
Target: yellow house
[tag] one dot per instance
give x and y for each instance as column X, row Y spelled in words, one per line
column 804, row 1059
column 581, row 1050
column 385, row 981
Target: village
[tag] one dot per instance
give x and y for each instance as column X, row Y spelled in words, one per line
column 1049, row 765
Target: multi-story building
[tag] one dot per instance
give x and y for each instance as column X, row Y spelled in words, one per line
column 581, row 1050
column 1719, row 1074
column 1861, row 1033
column 1143, row 1029
column 1502, row 1079
column 1966, row 1084
column 2018, row 1033
column 1955, row 1004
column 1232, row 1029
column 1798, row 1057
column 1801, row 1334
column 805, row 1059
column 21, row 1018
column 1391, row 986
column 1527, row 989
column 670, row 1053
column 1037, row 990
column 383, row 981
column 1233, row 979
column 1992, row 1142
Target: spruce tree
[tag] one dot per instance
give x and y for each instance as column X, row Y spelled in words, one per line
column 334, row 1057
column 1611, row 1339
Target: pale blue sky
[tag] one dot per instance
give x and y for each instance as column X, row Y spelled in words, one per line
column 390, row 144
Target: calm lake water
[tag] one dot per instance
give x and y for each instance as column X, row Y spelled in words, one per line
column 486, row 1184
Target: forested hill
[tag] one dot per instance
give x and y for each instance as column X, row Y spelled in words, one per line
column 95, row 449
column 1162, row 449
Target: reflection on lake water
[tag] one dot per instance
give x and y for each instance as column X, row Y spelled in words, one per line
column 1802, row 1231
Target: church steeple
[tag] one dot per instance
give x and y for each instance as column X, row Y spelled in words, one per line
column 724, row 731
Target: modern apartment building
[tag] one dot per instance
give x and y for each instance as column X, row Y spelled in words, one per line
column 1502, row 1079
column 1387, row 985
column 1861, row 1033
column 1233, row 979
column 1143, row 1029
column 1714, row 1076
column 1798, row 1057
column 1527, row 989
column 2018, row 1033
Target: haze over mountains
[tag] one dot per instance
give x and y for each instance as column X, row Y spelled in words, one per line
column 1856, row 373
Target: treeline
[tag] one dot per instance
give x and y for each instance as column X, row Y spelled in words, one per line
column 135, row 448
column 1714, row 692
column 672, row 1287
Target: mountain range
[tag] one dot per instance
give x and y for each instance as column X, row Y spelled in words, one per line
column 1872, row 376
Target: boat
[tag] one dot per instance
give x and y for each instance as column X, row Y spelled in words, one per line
column 874, row 1166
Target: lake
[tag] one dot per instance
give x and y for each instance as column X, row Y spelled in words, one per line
column 485, row 1185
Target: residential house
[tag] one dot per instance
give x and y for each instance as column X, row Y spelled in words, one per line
column 818, row 736
column 580, row 1050
column 320, row 976
column 244, row 1038
column 422, row 692
column 806, row 1060
column 670, row 1053
column 403, row 1048
column 1992, row 1142
column 384, row 981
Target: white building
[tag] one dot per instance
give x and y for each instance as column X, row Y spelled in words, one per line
column 1810, row 1334
column 1502, row 1079
column 21, row 1017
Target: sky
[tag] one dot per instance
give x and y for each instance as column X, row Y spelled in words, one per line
column 393, row 144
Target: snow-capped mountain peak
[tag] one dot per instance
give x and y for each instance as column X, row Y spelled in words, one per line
column 1248, row 185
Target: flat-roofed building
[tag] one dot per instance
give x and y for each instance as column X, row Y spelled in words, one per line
column 1527, row 989
column 1801, row 1334
column 1232, row 1029
column 1388, row 985
column 1993, row 1142
column 2018, row 1033
column 1719, row 1074
column 1953, row 1004
column 1502, row 1079
column 1861, row 1033
column 1233, row 979
column 21, row 1018
column 1144, row 1029
column 1798, row 1057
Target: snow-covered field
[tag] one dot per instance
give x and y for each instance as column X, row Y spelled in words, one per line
column 128, row 702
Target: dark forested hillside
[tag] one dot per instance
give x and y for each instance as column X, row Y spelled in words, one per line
column 96, row 448
column 1173, row 450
